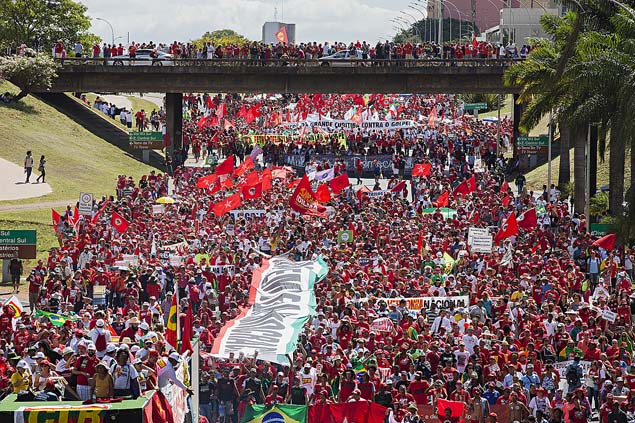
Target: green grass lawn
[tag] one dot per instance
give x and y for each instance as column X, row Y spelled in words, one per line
column 538, row 176
column 142, row 104
column 77, row 161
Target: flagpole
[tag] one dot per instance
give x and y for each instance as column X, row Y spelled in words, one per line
column 178, row 316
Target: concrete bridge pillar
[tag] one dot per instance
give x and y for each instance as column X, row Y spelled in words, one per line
column 174, row 121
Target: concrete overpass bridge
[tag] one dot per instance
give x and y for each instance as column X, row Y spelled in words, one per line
column 179, row 76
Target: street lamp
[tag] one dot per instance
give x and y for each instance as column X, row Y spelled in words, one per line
column 112, row 31
column 414, row 24
column 424, row 17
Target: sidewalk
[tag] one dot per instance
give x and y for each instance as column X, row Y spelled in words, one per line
column 12, row 186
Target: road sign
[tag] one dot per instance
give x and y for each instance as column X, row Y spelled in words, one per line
column 146, row 140
column 18, row 243
column 600, row 229
column 468, row 107
column 85, row 204
column 532, row 145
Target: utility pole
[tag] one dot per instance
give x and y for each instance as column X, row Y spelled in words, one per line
column 441, row 26
column 474, row 16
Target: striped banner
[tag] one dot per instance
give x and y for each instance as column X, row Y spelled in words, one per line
column 282, row 300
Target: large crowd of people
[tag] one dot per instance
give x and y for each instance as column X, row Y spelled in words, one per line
column 546, row 334
column 301, row 51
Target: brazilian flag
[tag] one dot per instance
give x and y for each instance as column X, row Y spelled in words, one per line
column 55, row 319
column 279, row 413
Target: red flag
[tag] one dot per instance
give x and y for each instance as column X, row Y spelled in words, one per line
column 265, row 178
column 457, row 408
column 170, row 329
column 357, row 412
column 246, row 165
column 509, row 228
column 213, row 189
column 242, row 112
column 504, row 187
column 607, row 242
column 227, row 167
column 475, row 216
column 221, row 110
column 227, row 183
column 55, row 216
column 399, row 187
column 303, row 200
column 443, row 200
column 252, row 178
column 281, row 35
column 252, row 191
column 228, row 204
column 339, row 183
column 474, row 42
column 186, row 334
column 506, row 201
column 209, row 103
column 421, row 169
column 158, row 409
column 420, row 244
column 528, row 219
column 205, row 181
column 360, row 192
column 100, row 211
column 323, row 194
column 293, row 183
column 202, row 122
column 465, row 187
column 119, row 222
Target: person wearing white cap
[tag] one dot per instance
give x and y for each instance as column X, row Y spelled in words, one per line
column 109, row 358
column 84, row 368
column 101, row 337
column 21, row 379
column 167, row 374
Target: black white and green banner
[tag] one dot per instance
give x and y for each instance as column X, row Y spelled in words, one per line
column 281, row 300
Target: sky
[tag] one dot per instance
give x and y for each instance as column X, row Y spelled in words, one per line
column 183, row 20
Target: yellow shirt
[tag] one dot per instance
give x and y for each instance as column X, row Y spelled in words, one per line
column 20, row 382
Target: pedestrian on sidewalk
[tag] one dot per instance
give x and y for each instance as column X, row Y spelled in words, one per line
column 42, row 169
column 28, row 165
column 16, row 269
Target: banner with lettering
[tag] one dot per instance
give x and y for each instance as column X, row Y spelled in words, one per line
column 62, row 414
column 248, row 214
column 338, row 125
column 282, row 300
column 415, row 304
column 383, row 161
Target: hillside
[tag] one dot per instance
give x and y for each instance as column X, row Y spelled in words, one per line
column 77, row 161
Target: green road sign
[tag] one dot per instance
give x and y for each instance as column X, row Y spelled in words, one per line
column 18, row 237
column 600, row 229
column 146, row 140
column 527, row 141
column 532, row 145
column 18, row 243
column 474, row 106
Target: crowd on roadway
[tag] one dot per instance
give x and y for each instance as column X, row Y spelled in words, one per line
column 545, row 337
column 285, row 125
column 303, row 51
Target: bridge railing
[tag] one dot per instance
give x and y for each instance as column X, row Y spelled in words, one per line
column 287, row 62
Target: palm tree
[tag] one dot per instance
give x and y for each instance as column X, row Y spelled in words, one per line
column 603, row 77
column 543, row 91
